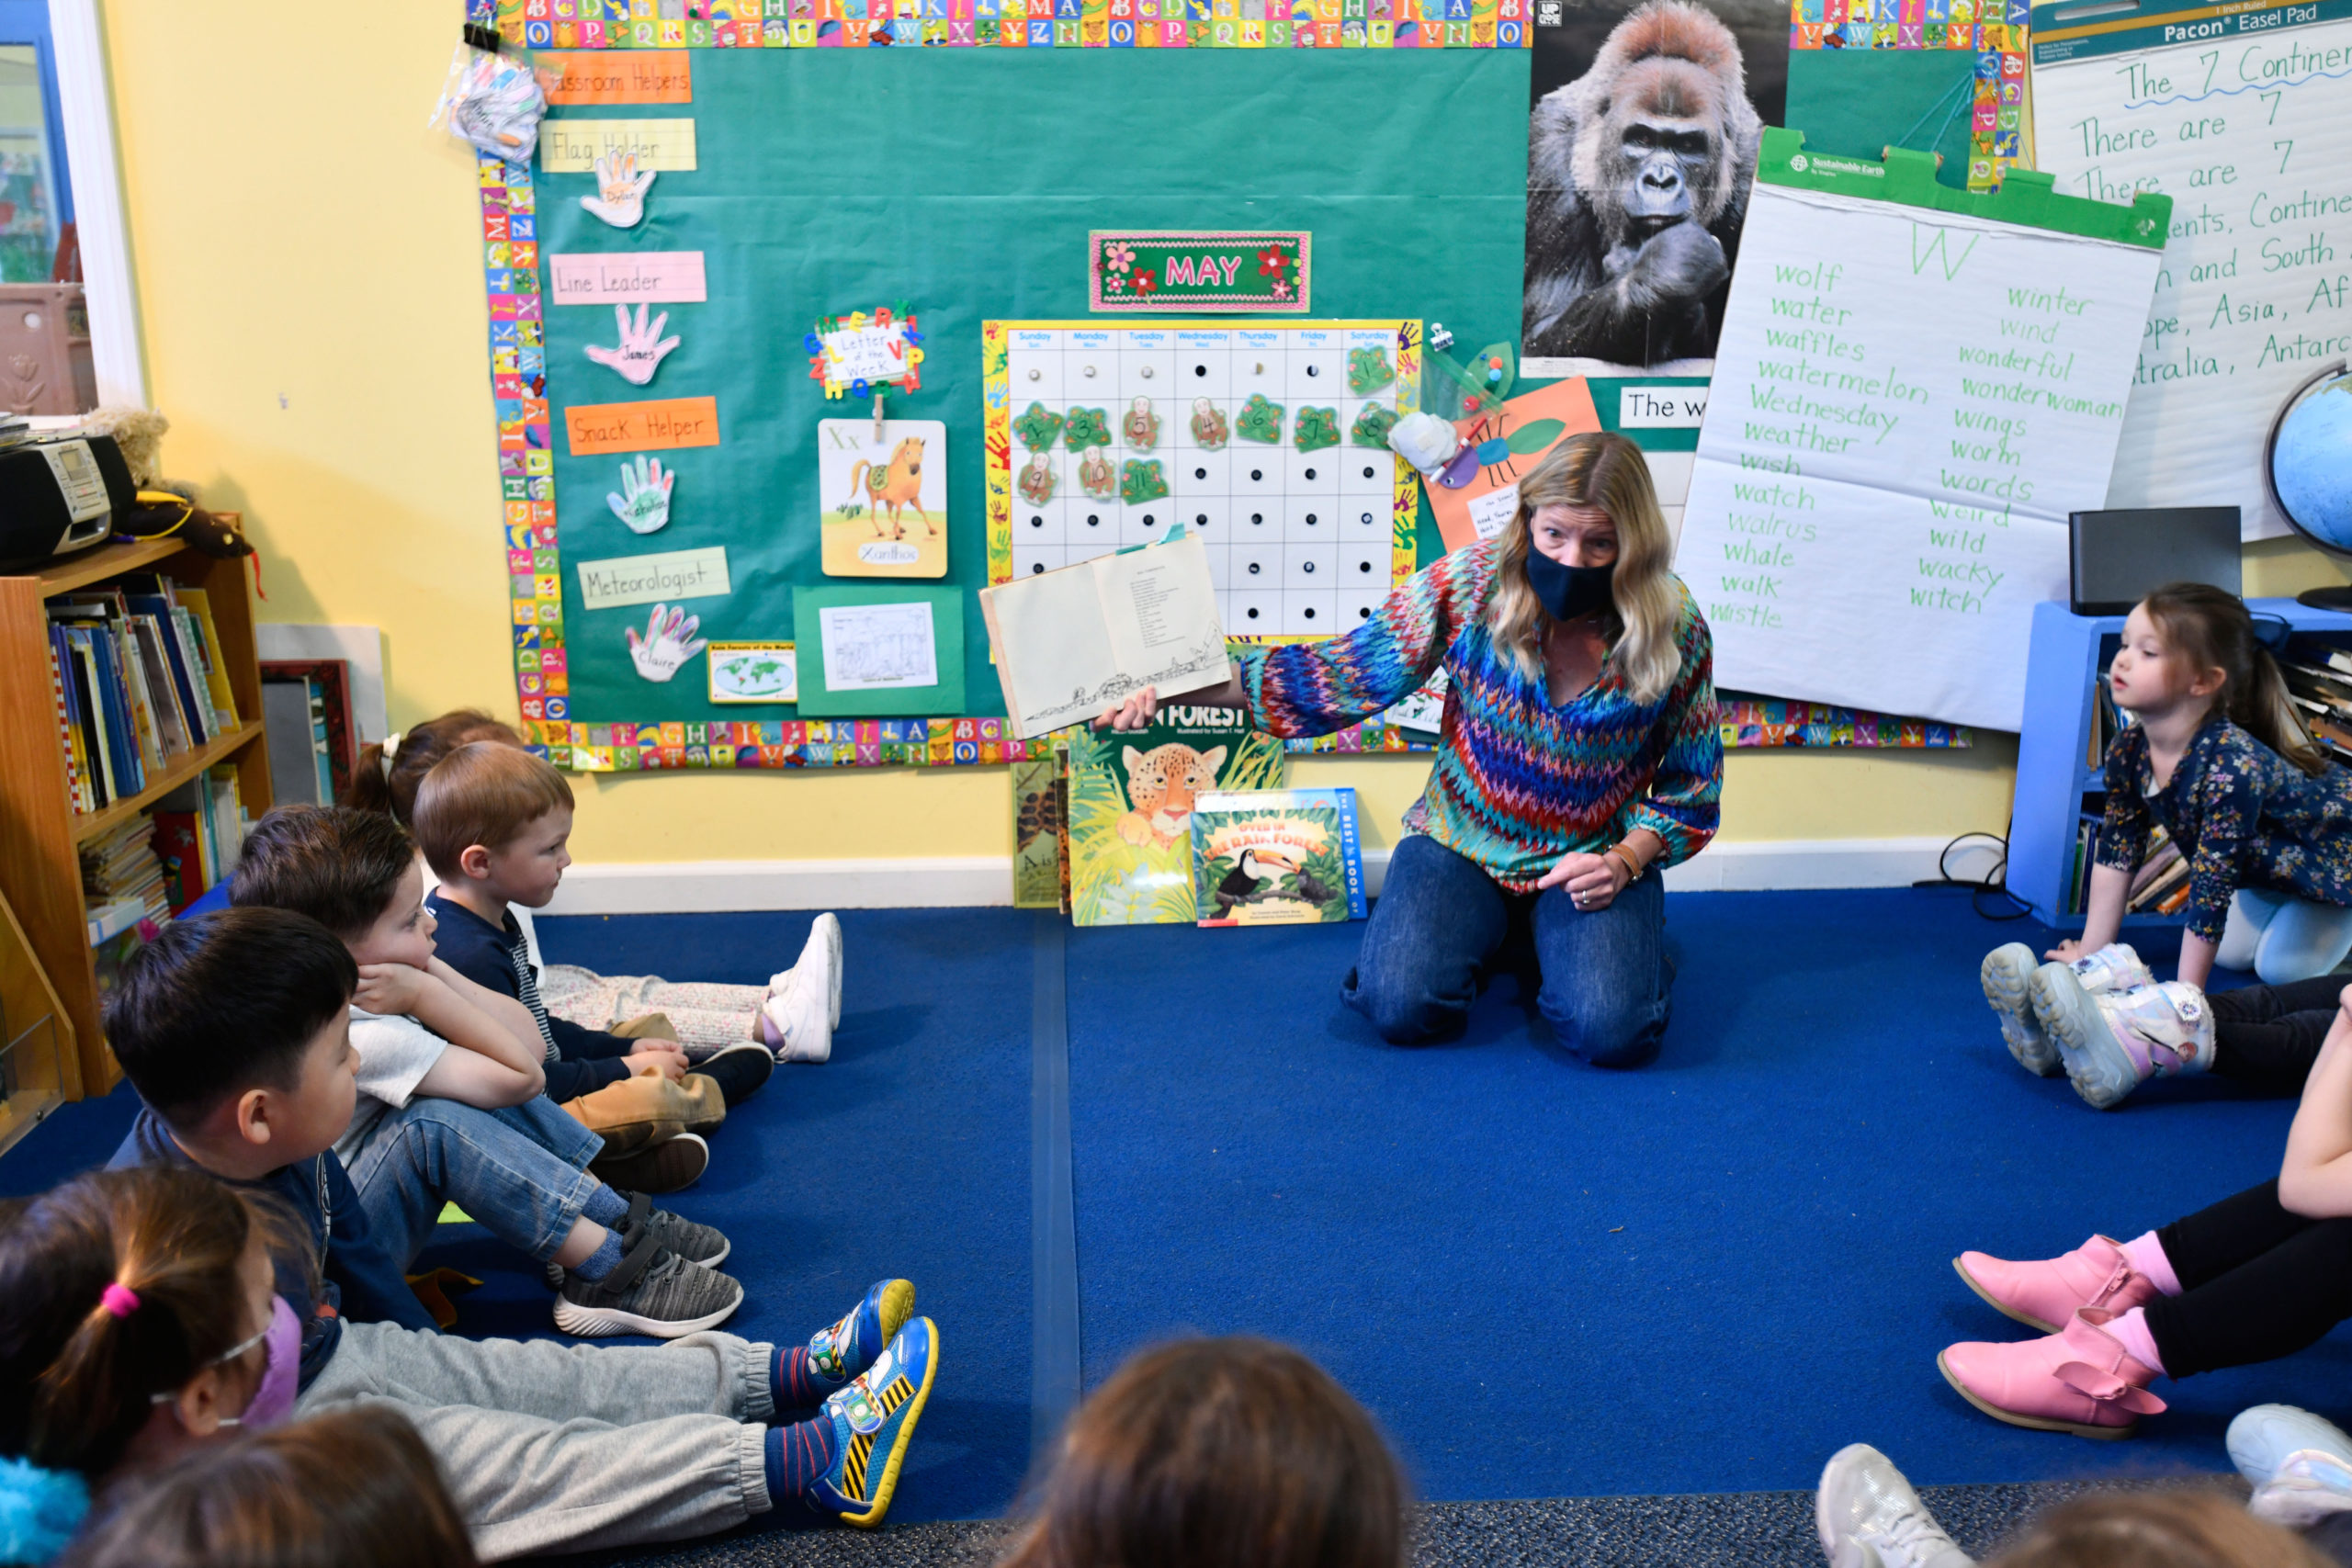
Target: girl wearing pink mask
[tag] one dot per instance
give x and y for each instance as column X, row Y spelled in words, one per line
column 138, row 1319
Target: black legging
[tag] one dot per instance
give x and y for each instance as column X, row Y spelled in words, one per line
column 2258, row 1283
column 2267, row 1037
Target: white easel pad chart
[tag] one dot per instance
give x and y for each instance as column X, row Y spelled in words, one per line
column 2248, row 134
column 1906, row 404
column 1300, row 543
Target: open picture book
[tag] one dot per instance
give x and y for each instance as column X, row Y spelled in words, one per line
column 1071, row 643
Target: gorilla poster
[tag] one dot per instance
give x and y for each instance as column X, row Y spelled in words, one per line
column 1640, row 151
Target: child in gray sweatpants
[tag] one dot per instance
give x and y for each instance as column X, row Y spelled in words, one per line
column 548, row 1445
column 235, row 1031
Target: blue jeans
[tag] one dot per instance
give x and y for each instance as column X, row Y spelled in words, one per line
column 520, row 1171
column 1440, row 920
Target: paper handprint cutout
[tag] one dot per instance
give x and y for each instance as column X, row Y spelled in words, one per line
column 643, row 503
column 641, row 347
column 620, row 190
column 668, row 643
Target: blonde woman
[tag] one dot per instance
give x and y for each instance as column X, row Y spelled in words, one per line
column 1580, row 756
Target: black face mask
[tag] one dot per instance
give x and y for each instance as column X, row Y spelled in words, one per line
column 1567, row 591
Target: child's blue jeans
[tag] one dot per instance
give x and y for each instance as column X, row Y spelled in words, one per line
column 1440, row 919
column 521, row 1172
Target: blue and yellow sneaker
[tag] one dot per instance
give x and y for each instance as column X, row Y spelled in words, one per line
column 873, row 1419
column 846, row 1348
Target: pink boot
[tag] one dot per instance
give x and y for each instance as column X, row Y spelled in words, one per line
column 2081, row 1381
column 2043, row 1295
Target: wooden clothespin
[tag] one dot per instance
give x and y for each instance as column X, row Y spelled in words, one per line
column 877, row 414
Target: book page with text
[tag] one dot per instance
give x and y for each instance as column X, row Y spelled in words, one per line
column 1160, row 607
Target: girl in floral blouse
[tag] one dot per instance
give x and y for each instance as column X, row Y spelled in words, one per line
column 2219, row 758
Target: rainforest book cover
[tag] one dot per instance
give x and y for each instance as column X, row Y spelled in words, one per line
column 1277, row 858
column 1131, row 797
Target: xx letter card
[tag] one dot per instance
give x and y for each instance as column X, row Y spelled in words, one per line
column 885, row 502
column 1225, row 271
column 1914, row 386
column 2242, row 124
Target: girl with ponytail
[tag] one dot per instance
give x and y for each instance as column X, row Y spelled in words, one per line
column 136, row 1319
column 2218, row 757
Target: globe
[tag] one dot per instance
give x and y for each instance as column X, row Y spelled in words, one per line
column 2307, row 467
column 2310, row 462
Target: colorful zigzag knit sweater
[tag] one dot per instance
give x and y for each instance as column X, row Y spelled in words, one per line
column 1518, row 783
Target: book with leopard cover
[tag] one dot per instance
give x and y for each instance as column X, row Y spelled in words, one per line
column 1069, row 644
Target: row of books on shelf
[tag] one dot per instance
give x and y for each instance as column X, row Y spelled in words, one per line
column 153, row 864
column 139, row 680
column 2322, row 692
column 2160, row 886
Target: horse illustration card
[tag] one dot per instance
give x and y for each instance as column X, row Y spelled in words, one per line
column 884, row 502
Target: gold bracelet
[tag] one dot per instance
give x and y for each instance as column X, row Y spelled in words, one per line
column 1632, row 865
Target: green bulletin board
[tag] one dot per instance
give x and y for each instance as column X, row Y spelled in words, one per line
column 962, row 189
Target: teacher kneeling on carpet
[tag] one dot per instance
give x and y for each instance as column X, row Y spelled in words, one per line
column 1580, row 756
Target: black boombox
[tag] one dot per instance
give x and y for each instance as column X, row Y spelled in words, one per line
column 61, row 496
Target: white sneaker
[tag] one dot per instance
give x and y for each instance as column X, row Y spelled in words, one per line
column 797, row 1014
column 1868, row 1516
column 2262, row 1436
column 2311, row 1485
column 819, row 964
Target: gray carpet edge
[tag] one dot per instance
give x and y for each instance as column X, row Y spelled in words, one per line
column 1715, row 1529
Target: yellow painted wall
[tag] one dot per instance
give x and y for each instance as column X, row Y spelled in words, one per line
column 319, row 346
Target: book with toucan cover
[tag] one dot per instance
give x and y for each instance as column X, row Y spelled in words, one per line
column 1281, row 857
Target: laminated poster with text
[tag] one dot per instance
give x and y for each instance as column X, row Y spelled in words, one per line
column 2238, row 114
column 1914, row 386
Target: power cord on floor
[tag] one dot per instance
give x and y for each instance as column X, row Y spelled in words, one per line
column 1995, row 882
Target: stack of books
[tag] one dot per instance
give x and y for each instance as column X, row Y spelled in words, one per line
column 119, row 866
column 2322, row 692
column 138, row 681
column 2161, row 884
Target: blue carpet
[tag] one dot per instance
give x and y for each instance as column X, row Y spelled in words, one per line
column 1702, row 1276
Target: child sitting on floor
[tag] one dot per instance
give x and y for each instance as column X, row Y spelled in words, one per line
column 2251, row 1278
column 136, row 1320
column 449, row 1106
column 356, row 1488
column 2219, row 758
column 234, row 1030
column 703, row 1016
column 1236, row 1452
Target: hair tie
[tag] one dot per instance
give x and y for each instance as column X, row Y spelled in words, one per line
column 119, row 1299
column 391, row 748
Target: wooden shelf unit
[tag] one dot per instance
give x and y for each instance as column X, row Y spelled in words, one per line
column 41, row 873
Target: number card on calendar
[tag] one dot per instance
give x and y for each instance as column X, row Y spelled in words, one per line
column 1266, row 442
column 1914, row 386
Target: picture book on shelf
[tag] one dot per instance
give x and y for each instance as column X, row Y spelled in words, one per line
column 1277, row 857
column 1131, row 800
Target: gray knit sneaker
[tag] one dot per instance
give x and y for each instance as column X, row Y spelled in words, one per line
column 697, row 1244
column 652, row 1291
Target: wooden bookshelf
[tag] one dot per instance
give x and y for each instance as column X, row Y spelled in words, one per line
column 41, row 873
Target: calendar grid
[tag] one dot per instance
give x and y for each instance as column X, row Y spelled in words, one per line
column 1303, row 542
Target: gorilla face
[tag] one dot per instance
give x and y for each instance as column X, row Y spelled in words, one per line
column 1656, row 148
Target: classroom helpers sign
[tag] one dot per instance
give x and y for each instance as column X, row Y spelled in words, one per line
column 1915, row 385
column 2239, row 114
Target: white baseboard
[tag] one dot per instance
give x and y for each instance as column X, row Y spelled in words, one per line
column 949, row 881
